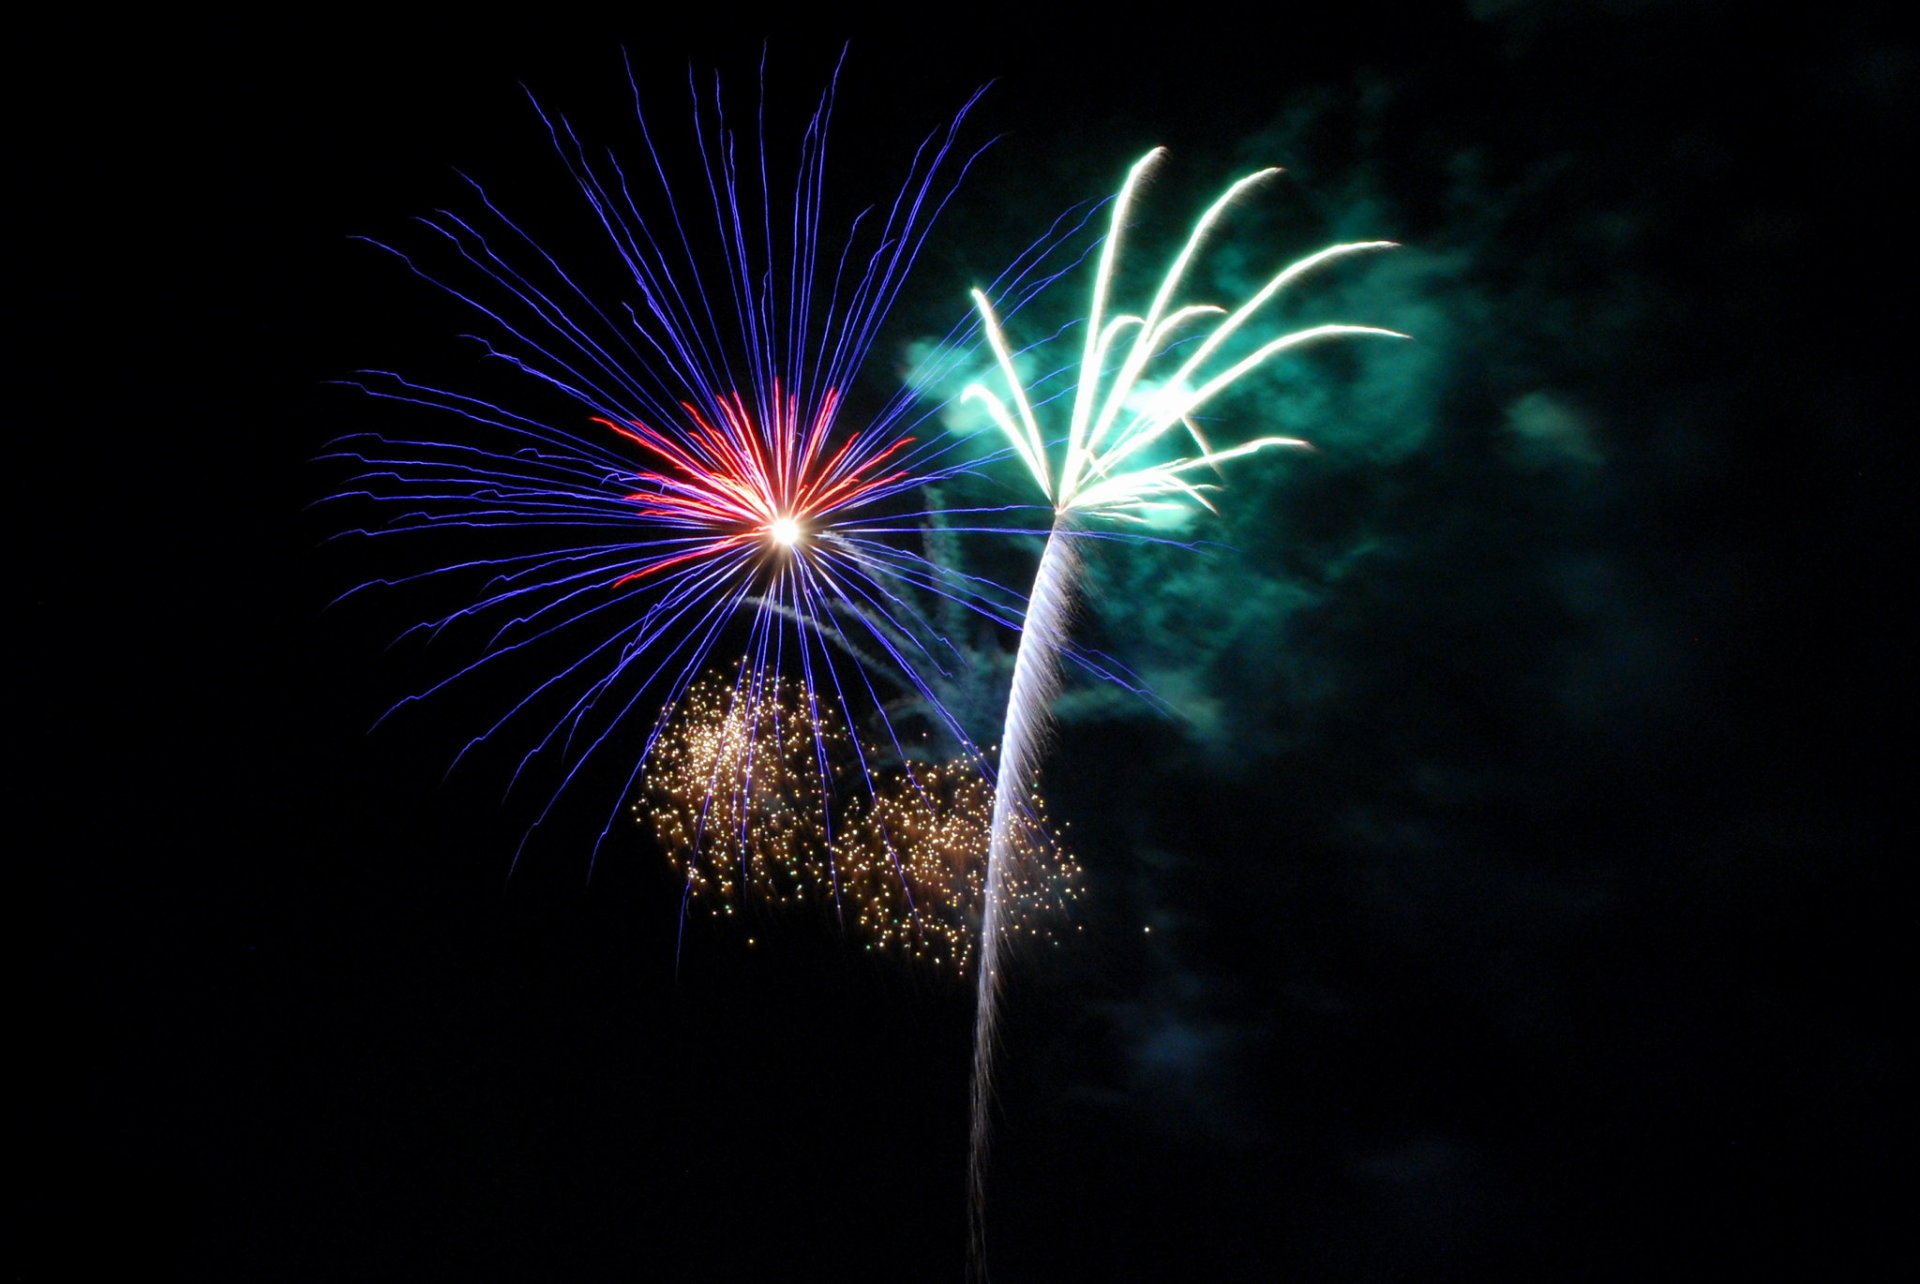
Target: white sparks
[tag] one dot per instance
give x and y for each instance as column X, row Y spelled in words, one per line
column 1105, row 470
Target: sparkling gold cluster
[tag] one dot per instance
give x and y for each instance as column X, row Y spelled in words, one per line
column 757, row 795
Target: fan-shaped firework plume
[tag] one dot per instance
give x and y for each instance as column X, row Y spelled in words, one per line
column 1131, row 447
column 733, row 792
column 675, row 464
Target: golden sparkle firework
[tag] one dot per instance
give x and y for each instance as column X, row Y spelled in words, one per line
column 762, row 796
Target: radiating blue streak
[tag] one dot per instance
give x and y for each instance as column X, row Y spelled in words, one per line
column 623, row 607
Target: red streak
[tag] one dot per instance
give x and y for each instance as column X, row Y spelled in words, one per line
column 738, row 481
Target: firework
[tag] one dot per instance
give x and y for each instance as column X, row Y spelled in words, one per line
column 1131, row 448
column 920, row 851
column 674, row 467
column 733, row 792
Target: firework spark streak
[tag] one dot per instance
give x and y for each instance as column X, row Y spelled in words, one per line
column 677, row 468
column 1126, row 456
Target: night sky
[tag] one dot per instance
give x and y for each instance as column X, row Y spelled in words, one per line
column 1508, row 891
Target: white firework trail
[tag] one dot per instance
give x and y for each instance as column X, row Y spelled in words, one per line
column 1104, row 471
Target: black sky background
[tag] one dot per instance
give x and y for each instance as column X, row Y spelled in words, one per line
column 1446, row 983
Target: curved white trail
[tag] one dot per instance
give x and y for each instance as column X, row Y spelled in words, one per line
column 1036, row 677
column 1125, row 458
